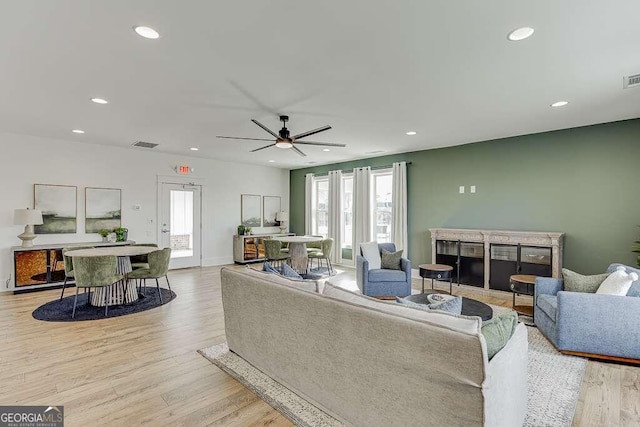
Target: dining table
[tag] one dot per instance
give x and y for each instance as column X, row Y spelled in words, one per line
column 298, row 250
column 123, row 254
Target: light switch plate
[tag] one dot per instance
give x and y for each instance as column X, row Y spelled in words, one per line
column 462, row 189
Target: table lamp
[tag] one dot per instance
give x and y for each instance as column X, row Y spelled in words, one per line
column 282, row 217
column 28, row 218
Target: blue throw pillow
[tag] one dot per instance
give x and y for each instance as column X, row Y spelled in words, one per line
column 269, row 268
column 290, row 272
column 453, row 305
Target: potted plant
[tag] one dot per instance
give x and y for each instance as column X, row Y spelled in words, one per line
column 104, row 233
column 121, row 234
column 247, row 231
column 241, row 230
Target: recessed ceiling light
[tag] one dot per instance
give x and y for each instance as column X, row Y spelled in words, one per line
column 77, row 131
column 146, row 32
column 411, row 132
column 326, row 149
column 560, row 104
column 194, row 149
column 520, row 34
column 271, row 161
column 99, row 101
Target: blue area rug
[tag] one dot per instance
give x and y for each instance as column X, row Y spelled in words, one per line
column 60, row 310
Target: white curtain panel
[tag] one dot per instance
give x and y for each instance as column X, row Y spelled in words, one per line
column 335, row 214
column 399, row 234
column 308, row 203
column 361, row 208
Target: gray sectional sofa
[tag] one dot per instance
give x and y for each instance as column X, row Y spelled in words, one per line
column 595, row 325
column 377, row 365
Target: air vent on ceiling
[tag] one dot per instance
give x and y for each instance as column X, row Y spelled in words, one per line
column 631, row 81
column 143, row 144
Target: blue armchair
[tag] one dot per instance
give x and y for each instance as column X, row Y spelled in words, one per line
column 594, row 325
column 383, row 282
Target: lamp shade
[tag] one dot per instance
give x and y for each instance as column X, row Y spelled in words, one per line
column 282, row 216
column 27, row 217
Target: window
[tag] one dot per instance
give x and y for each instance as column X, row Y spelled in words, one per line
column 382, row 188
column 320, row 201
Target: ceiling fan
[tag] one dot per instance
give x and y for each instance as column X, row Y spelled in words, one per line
column 283, row 140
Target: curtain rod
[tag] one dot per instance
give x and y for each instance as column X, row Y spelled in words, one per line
column 373, row 168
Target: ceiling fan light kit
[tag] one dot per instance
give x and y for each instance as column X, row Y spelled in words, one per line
column 283, row 138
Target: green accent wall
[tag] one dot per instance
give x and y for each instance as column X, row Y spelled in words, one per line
column 580, row 181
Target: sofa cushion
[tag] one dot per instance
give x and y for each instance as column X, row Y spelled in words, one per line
column 575, row 282
column 382, row 275
column 391, row 260
column 618, row 283
column 634, row 290
column 548, row 304
column 465, row 324
column 371, row 253
column 498, row 330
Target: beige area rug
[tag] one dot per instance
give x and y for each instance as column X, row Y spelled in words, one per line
column 554, row 385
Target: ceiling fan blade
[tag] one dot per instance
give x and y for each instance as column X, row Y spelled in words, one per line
column 262, row 148
column 237, row 137
column 298, row 151
column 311, row 132
column 327, row 144
column 275, row 135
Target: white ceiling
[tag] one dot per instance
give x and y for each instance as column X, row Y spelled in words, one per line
column 372, row 70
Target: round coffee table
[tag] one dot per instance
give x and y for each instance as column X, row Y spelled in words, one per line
column 470, row 307
column 436, row 272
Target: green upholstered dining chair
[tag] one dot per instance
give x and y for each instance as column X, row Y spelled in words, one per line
column 158, row 267
column 273, row 252
column 141, row 261
column 96, row 272
column 314, row 246
column 326, row 246
column 68, row 265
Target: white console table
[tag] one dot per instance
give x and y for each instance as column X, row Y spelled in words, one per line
column 42, row 266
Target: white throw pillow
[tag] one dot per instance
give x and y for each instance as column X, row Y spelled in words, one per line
column 371, row 253
column 618, row 282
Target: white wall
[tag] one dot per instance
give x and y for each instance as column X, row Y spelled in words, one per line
column 26, row 160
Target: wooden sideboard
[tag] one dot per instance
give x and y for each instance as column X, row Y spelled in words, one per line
column 487, row 258
column 250, row 248
column 42, row 266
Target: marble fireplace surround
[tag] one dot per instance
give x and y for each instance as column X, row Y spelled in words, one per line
column 529, row 238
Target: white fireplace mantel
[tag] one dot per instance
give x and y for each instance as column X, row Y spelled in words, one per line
column 487, row 237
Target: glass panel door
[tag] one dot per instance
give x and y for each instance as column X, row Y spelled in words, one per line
column 180, row 224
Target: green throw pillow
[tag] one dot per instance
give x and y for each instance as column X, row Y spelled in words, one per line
column 498, row 330
column 574, row 282
column 391, row 260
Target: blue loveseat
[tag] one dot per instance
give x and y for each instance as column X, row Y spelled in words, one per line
column 382, row 282
column 606, row 326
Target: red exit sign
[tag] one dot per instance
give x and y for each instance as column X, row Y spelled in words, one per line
column 184, row 170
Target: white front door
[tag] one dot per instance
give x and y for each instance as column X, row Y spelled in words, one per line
column 179, row 223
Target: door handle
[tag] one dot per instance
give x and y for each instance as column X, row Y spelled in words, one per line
column 164, row 230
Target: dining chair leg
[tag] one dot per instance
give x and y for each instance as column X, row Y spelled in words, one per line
column 64, row 284
column 168, row 284
column 106, row 301
column 75, row 301
column 159, row 293
column 330, row 267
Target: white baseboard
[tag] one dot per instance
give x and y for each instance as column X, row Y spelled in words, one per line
column 211, row 262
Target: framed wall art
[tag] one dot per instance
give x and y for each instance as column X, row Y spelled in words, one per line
column 250, row 215
column 58, row 204
column 270, row 208
column 103, row 209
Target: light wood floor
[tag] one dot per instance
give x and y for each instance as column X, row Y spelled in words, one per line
column 144, row 369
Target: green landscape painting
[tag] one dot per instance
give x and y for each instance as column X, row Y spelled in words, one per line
column 58, row 204
column 102, row 209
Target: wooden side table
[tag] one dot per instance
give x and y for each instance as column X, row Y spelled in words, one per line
column 436, row 272
column 523, row 284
